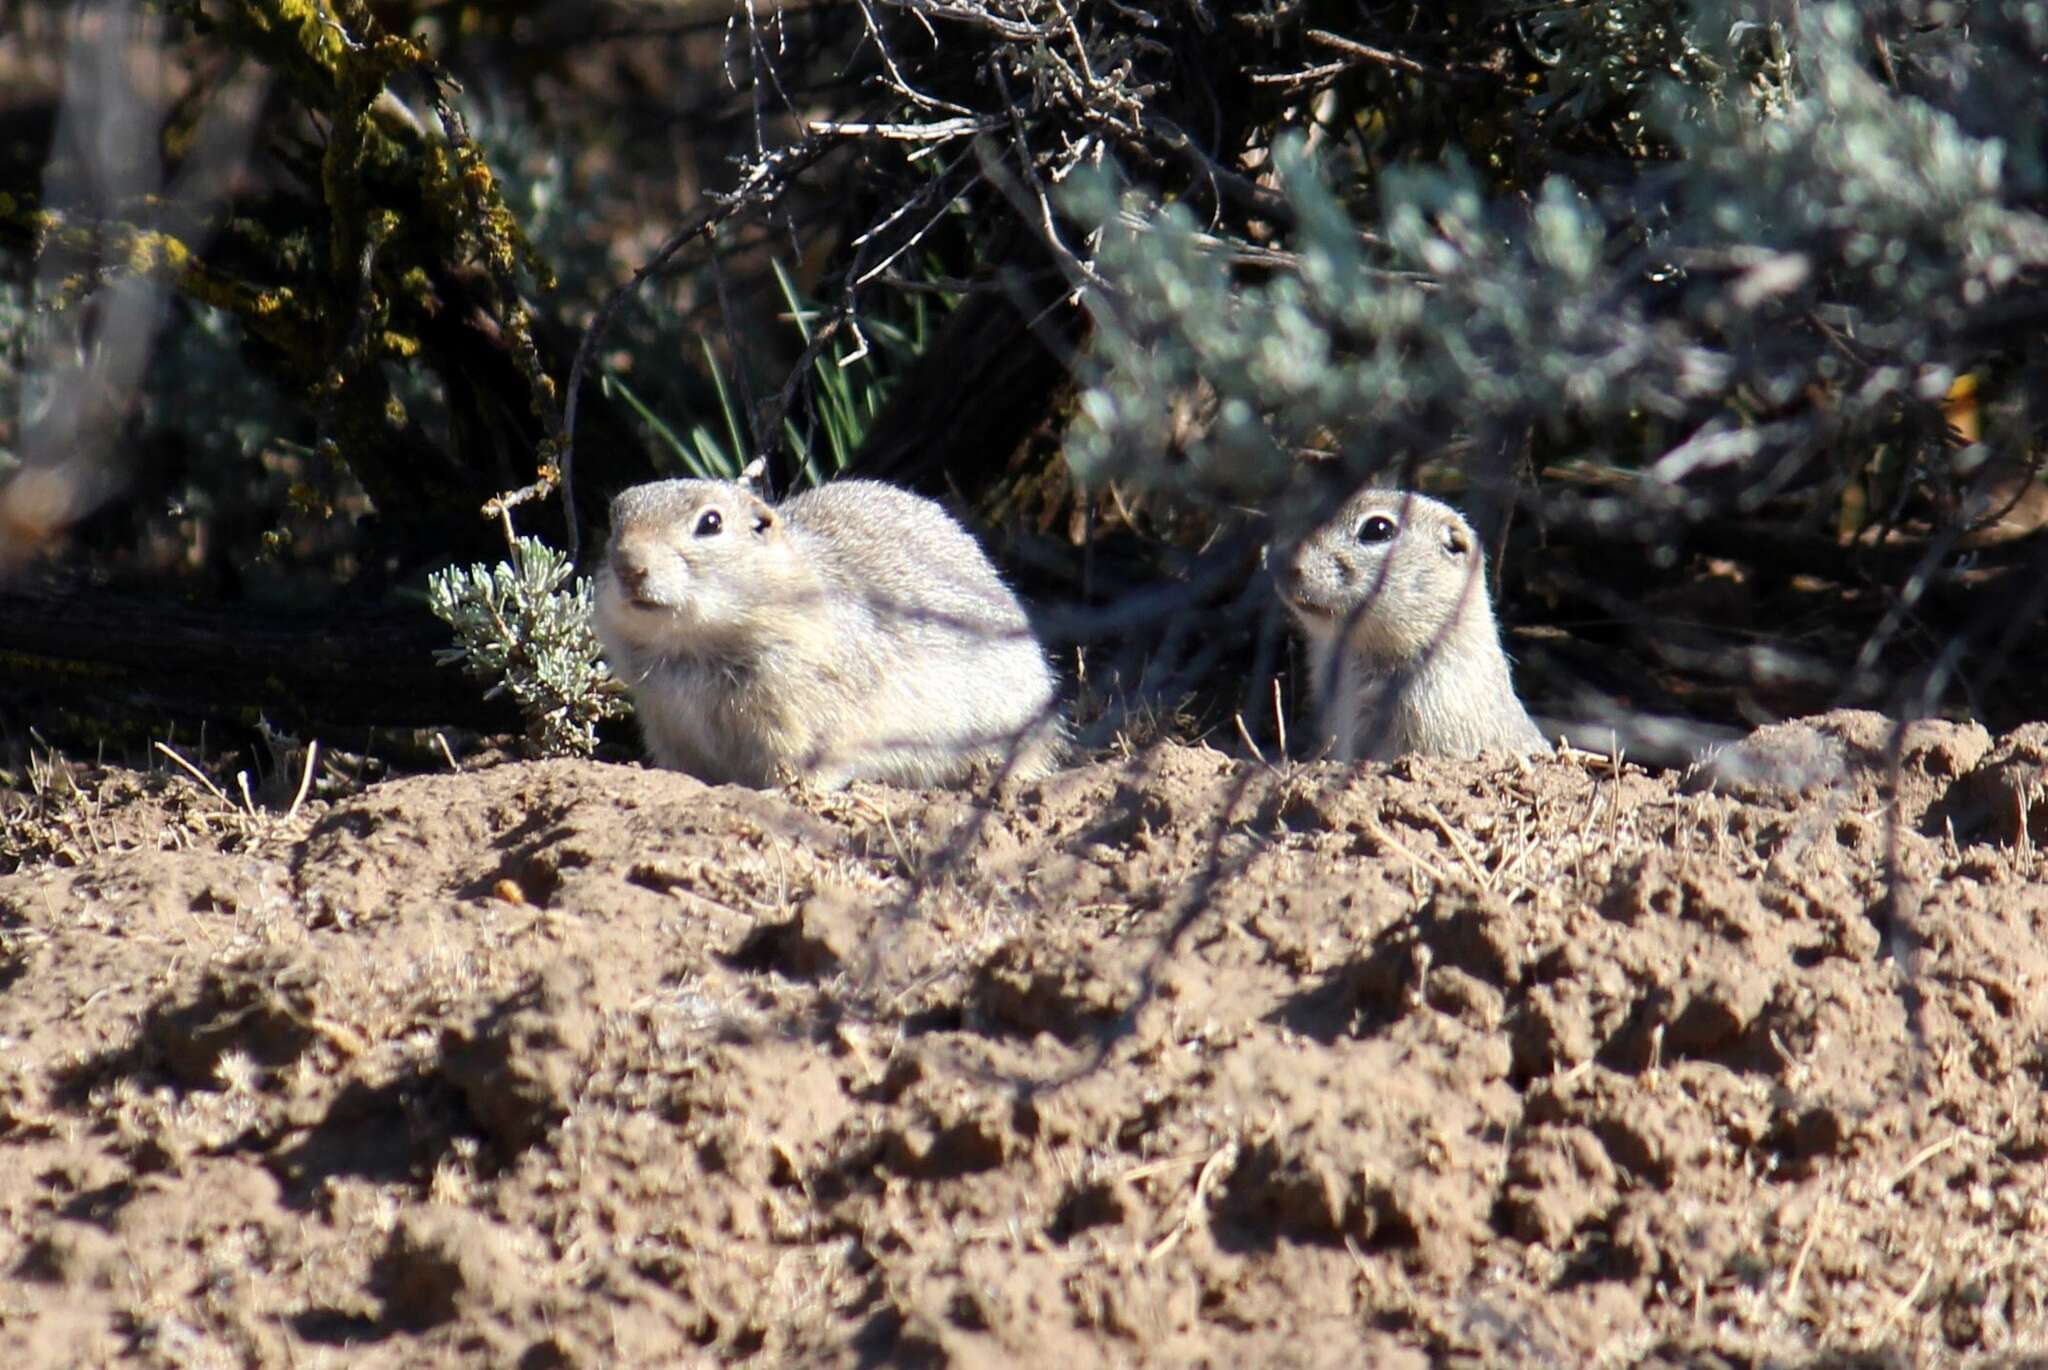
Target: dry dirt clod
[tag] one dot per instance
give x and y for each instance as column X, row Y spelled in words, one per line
column 520, row 1067
column 2004, row 798
column 443, row 1263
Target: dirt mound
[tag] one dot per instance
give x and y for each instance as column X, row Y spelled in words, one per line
column 1180, row 1060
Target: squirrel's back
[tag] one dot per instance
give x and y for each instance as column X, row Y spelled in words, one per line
column 903, row 555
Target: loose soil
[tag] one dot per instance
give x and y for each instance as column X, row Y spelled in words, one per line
column 1177, row 1059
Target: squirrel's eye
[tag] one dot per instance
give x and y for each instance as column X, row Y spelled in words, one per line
column 710, row 523
column 763, row 523
column 1378, row 528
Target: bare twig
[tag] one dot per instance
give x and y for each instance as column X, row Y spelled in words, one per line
column 937, row 131
column 1790, row 1294
column 1366, row 52
column 1926, row 1154
column 306, row 779
column 1224, row 1158
column 196, row 774
column 976, row 16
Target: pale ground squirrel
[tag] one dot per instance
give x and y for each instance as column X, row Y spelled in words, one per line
column 1390, row 595
column 853, row 632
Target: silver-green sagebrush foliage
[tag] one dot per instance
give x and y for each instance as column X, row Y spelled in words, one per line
column 1837, row 213
column 523, row 626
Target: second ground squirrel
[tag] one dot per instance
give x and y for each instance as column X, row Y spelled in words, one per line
column 853, row 632
column 1390, row 596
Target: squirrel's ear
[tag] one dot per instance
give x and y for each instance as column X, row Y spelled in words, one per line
column 764, row 519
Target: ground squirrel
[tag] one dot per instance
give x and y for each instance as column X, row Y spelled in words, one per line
column 1390, row 595
column 853, row 632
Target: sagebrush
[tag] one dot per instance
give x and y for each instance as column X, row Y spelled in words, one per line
column 523, row 627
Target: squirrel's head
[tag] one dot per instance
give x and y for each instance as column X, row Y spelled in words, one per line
column 1394, row 574
column 693, row 567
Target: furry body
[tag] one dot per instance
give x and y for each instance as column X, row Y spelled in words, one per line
column 1390, row 596
column 853, row 632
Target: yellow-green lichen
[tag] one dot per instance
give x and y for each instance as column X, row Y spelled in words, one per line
column 400, row 200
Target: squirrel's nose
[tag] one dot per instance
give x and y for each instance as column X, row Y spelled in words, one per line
column 632, row 576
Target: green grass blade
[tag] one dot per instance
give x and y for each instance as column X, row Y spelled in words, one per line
column 609, row 384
